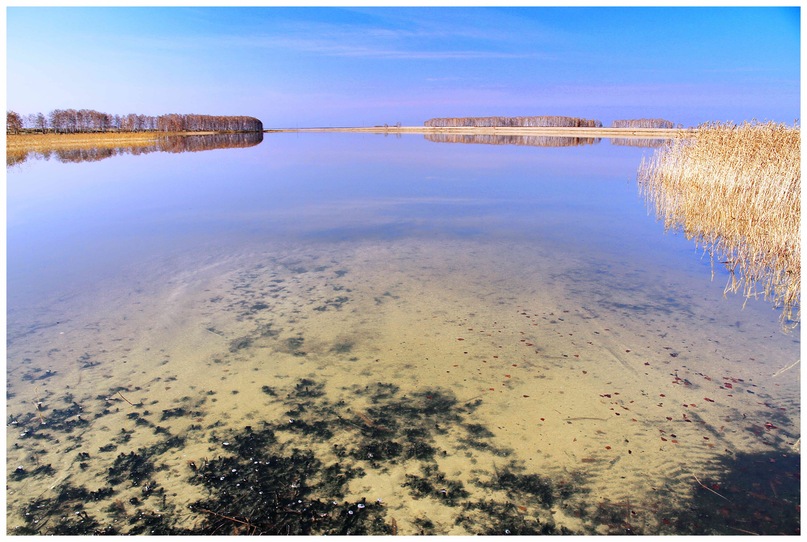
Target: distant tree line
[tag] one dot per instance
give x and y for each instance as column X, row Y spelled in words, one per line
column 642, row 123
column 72, row 121
column 539, row 121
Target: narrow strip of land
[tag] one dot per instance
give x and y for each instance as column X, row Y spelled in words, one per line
column 651, row 133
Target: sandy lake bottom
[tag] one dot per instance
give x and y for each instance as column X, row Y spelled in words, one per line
column 435, row 384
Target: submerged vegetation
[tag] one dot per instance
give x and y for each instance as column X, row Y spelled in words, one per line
column 302, row 473
column 736, row 190
column 293, row 475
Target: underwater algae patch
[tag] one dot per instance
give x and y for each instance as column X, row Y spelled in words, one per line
column 298, row 486
column 293, row 476
column 296, row 476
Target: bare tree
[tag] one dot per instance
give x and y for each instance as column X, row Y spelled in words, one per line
column 13, row 123
column 41, row 123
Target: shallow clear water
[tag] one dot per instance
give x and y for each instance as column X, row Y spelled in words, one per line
column 487, row 338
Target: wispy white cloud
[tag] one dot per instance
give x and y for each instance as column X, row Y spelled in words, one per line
column 336, row 44
column 379, row 44
column 397, row 34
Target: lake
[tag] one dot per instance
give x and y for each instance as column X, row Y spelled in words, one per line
column 358, row 333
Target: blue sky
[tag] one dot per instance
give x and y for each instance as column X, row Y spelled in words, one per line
column 334, row 66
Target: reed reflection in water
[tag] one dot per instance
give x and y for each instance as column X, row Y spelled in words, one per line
column 171, row 143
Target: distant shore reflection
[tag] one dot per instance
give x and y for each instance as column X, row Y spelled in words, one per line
column 638, row 142
column 541, row 141
column 533, row 141
column 172, row 143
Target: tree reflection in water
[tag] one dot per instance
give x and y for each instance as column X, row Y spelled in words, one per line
column 169, row 143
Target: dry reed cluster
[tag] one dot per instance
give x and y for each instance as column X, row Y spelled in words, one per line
column 735, row 190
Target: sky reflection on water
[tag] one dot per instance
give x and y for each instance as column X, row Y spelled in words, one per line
column 320, row 186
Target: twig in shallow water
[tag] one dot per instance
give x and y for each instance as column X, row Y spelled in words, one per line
column 41, row 419
column 744, row 531
column 780, row 371
column 708, row 488
column 370, row 423
column 124, row 398
column 236, row 520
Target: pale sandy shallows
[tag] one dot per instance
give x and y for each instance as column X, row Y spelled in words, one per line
column 458, row 387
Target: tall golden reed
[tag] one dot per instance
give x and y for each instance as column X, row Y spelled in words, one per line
column 736, row 190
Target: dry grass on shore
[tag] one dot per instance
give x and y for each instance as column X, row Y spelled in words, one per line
column 736, row 190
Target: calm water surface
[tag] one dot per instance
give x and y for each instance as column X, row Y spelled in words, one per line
column 473, row 338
